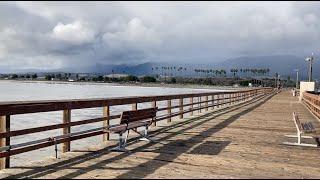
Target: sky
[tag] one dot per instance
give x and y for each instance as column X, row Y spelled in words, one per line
column 53, row 35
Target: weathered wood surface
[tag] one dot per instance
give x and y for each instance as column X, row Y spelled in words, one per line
column 241, row 141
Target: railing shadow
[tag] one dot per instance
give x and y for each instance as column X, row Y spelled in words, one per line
column 149, row 167
column 65, row 164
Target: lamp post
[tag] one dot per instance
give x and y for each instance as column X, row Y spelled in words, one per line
column 297, row 81
column 310, row 59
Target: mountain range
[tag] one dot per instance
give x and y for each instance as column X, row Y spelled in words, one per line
column 281, row 64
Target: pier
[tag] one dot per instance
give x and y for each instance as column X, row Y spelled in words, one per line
column 236, row 134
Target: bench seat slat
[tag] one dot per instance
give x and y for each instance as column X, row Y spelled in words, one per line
column 134, row 119
column 124, row 127
column 137, row 115
column 306, row 127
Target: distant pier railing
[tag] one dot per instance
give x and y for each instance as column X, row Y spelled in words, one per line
column 204, row 101
column 312, row 101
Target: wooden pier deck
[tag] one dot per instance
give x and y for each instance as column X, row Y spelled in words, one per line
column 241, row 141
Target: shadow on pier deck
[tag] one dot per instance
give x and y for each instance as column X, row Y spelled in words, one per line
column 242, row 141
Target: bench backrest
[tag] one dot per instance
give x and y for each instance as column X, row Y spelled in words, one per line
column 297, row 122
column 138, row 115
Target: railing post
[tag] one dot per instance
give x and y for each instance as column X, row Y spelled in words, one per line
column 106, row 113
column 199, row 99
column 212, row 101
column 154, row 104
column 206, row 104
column 5, row 127
column 230, row 98
column 218, row 101
column 191, row 106
column 66, row 130
column 181, row 108
column 135, row 106
column 169, row 110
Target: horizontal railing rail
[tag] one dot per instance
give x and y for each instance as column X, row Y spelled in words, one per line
column 204, row 101
column 312, row 101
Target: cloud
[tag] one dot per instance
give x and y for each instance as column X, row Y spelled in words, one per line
column 75, row 33
column 3, row 51
column 133, row 34
column 86, row 33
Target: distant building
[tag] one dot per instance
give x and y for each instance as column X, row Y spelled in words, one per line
column 41, row 77
column 83, row 75
column 116, row 75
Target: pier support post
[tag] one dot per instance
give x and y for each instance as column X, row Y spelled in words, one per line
column 106, row 113
column 66, row 130
column 181, row 108
column 154, row 104
column 4, row 127
column 169, row 110
column 191, row 106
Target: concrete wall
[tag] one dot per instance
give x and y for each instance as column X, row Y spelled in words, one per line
column 306, row 86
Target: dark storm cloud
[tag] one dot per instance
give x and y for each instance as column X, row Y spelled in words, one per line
column 53, row 35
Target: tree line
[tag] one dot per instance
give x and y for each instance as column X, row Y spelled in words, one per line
column 200, row 72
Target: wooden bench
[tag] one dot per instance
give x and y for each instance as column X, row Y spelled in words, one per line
column 131, row 120
column 303, row 128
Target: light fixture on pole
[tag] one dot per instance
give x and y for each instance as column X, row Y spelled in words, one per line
column 310, row 60
column 297, row 81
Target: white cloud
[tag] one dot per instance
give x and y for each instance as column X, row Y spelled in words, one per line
column 75, row 33
column 105, row 32
column 133, row 34
column 3, row 51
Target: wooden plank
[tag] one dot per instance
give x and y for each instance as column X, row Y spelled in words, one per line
column 25, row 149
column 23, row 107
column 206, row 103
column 132, row 118
column 47, row 144
column 181, row 108
column 212, row 101
column 4, row 127
column 106, row 113
column 169, row 110
column 154, row 105
column 52, row 127
column 135, row 106
column 199, row 104
column 66, row 130
column 191, row 106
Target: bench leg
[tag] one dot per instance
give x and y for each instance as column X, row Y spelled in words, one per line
column 302, row 137
column 145, row 136
column 122, row 144
column 300, row 144
column 299, row 136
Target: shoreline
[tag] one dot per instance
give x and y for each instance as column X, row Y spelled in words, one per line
column 166, row 85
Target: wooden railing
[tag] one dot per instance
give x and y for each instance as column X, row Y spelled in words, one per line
column 312, row 101
column 207, row 100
